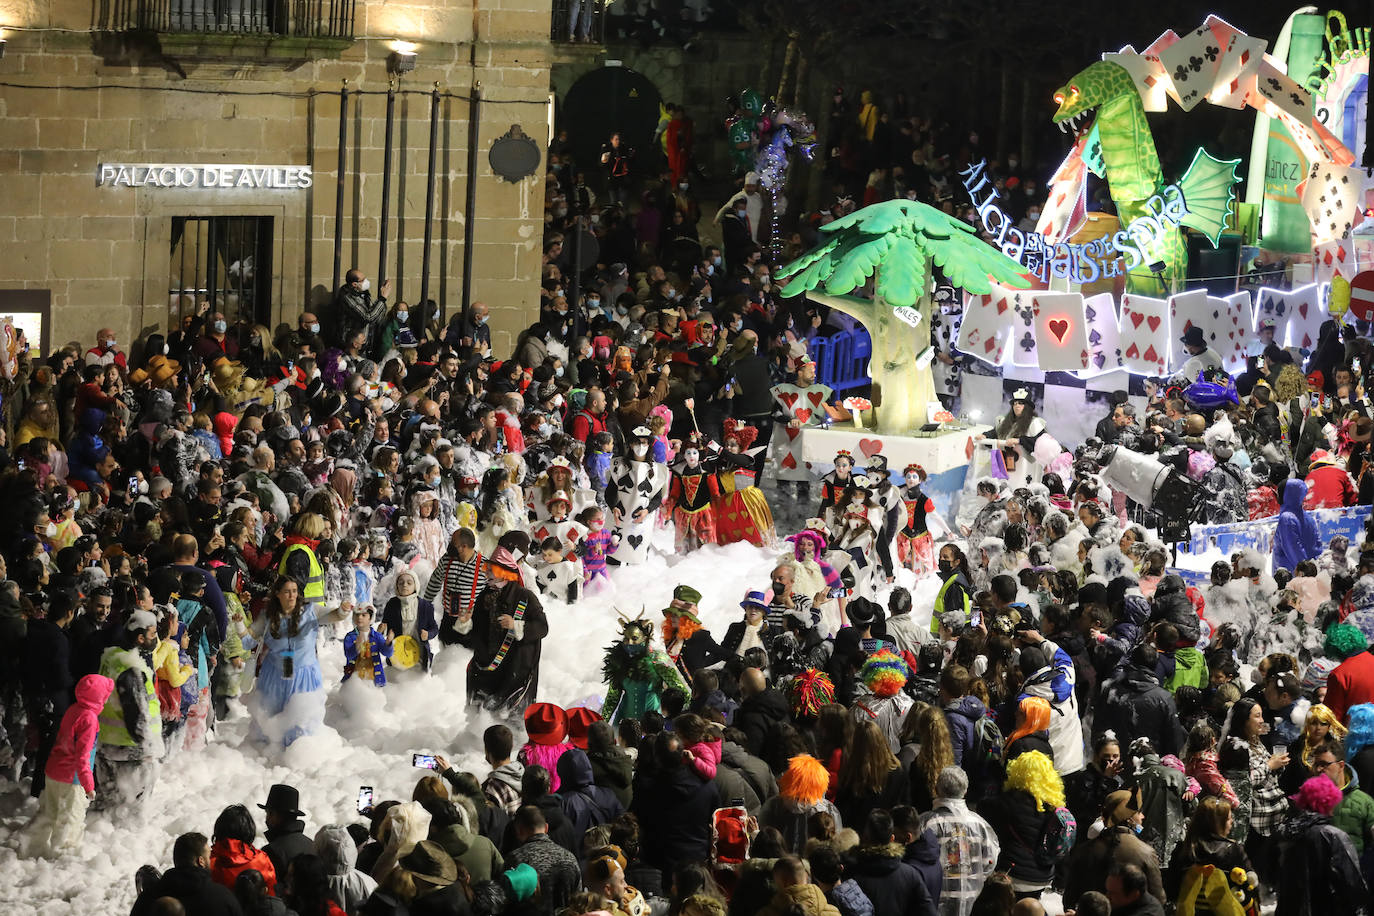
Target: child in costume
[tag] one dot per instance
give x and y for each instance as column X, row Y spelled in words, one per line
column 915, row 545
column 833, row 486
column 691, row 496
column 856, row 532
column 636, row 674
column 595, row 546
column 558, row 525
column 559, row 576
column 234, row 674
column 364, row 648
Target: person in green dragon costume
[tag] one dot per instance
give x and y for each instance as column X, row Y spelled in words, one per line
column 636, row 674
column 1103, row 107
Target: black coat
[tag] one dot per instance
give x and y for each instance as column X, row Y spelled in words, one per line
column 674, row 808
column 1019, row 825
column 45, row 666
column 854, row 807
column 194, row 888
column 614, row 770
column 742, row 775
column 584, row 803
column 1134, row 705
column 1321, row 871
column 895, row 888
column 759, row 715
column 286, row 842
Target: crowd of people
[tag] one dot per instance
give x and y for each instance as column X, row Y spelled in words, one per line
column 236, row 518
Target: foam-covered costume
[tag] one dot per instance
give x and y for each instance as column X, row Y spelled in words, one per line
column 636, row 674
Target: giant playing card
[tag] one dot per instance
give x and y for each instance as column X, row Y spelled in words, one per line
column 1061, row 340
column 1186, row 310
column 987, row 325
column 1231, row 329
column 1144, row 334
column 1104, row 338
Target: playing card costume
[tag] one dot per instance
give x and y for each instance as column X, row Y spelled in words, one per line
column 806, row 405
column 692, row 497
column 636, row 489
column 1022, row 460
column 834, row 484
column 636, row 674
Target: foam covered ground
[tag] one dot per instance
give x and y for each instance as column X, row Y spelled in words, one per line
column 368, row 738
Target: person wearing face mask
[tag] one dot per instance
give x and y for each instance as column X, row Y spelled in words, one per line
column 692, row 497
column 216, row 340
column 359, row 310
column 473, row 329
column 302, row 340
column 636, row 489
column 398, row 319
column 105, row 352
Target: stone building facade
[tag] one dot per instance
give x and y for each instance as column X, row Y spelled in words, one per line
column 89, row 85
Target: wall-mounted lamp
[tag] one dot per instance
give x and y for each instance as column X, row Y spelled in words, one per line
column 402, row 59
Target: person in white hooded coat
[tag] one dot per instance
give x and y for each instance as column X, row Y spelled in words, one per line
column 348, row 887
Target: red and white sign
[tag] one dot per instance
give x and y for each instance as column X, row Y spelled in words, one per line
column 1362, row 295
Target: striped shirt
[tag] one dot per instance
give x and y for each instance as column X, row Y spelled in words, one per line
column 459, row 583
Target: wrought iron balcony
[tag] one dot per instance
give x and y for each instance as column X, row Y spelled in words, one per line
column 578, row 21
column 321, row 19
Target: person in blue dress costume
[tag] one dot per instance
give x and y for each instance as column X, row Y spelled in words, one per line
column 290, row 672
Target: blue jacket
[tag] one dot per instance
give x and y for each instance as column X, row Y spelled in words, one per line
column 87, row 449
column 380, row 649
column 1295, row 538
column 583, row 802
column 962, row 717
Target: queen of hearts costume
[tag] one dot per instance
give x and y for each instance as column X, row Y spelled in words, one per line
column 742, row 512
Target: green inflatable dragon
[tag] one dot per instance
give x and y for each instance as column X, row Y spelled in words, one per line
column 1103, row 108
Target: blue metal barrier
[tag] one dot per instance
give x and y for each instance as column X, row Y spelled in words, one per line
column 842, row 359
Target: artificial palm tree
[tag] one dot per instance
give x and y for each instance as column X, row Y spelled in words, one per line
column 893, row 245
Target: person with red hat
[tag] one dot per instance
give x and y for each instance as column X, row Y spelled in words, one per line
column 1328, row 483
column 546, row 725
column 505, row 631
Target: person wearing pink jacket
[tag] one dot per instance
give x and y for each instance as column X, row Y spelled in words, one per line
column 60, row 823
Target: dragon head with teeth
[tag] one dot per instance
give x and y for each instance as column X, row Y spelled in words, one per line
column 1105, row 95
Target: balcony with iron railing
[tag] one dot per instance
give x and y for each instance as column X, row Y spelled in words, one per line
column 288, row 30
column 578, row 22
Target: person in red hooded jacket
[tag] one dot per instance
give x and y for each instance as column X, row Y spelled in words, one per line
column 1328, row 484
column 60, row 823
column 233, row 851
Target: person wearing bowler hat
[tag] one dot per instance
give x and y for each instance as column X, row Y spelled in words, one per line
column 285, row 831
column 1201, row 357
column 506, row 630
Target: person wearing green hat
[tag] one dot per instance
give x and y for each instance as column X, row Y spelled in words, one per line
column 689, row 644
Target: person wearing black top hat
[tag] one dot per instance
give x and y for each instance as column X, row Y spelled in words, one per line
column 1201, row 357
column 285, row 831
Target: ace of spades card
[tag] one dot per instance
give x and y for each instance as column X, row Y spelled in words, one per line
column 1232, row 329
column 1144, row 328
column 1186, row 310
column 1331, row 197
column 1061, row 339
column 1191, row 64
column 1104, row 337
column 986, row 329
column 1023, row 339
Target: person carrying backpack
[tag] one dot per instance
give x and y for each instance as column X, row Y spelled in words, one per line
column 1033, row 827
